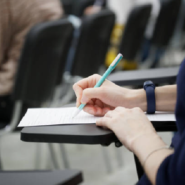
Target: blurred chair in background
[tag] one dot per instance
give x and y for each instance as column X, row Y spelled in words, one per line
column 163, row 32
column 94, row 8
column 16, row 19
column 55, row 177
column 133, row 34
column 88, row 50
column 93, row 43
column 39, row 67
column 83, row 7
column 68, row 6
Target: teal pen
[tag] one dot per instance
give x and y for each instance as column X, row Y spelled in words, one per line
column 102, row 79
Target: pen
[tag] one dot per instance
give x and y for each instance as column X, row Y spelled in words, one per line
column 102, row 79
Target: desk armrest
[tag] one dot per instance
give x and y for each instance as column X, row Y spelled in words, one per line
column 137, row 77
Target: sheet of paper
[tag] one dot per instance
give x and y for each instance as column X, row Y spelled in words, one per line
column 161, row 116
column 57, row 116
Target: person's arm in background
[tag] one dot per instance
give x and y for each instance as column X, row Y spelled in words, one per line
column 108, row 96
column 24, row 15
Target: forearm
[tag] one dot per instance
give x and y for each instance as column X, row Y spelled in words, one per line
column 146, row 145
column 165, row 98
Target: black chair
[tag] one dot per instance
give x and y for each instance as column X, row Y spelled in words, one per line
column 166, row 22
column 83, row 4
column 93, row 43
column 42, row 58
column 57, row 177
column 67, row 6
column 164, row 29
column 134, row 31
column 41, row 62
column 165, row 26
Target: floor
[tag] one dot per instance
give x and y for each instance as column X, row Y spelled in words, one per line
column 18, row 155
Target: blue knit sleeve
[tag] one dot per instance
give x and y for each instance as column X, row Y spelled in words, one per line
column 172, row 169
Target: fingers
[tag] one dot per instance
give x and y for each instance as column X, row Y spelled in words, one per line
column 95, row 110
column 120, row 109
column 78, row 91
column 83, row 84
column 109, row 114
column 91, row 93
column 104, row 122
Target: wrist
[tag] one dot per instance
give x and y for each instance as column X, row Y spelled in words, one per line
column 166, row 98
column 137, row 98
column 146, row 144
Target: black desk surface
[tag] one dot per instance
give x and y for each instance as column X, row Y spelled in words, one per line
column 59, row 177
column 79, row 134
column 137, row 77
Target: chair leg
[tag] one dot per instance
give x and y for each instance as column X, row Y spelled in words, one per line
column 38, row 155
column 106, row 160
column 53, row 157
column 139, row 168
column 119, row 157
column 1, row 166
column 64, row 156
column 66, row 98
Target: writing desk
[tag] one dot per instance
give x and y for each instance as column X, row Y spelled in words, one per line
column 80, row 134
column 137, row 77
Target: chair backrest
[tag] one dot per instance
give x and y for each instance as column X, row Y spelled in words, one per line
column 93, row 43
column 43, row 57
column 166, row 22
column 67, row 6
column 134, row 31
column 82, row 5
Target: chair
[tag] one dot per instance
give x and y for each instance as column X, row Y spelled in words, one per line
column 68, row 6
column 93, row 43
column 82, row 5
column 57, row 177
column 41, row 61
column 164, row 29
column 134, row 31
column 166, row 22
column 88, row 50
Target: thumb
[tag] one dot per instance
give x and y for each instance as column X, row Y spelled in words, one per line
column 91, row 93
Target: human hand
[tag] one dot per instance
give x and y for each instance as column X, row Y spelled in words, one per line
column 129, row 125
column 102, row 99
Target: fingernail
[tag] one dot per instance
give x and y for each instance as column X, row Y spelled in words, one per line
column 84, row 100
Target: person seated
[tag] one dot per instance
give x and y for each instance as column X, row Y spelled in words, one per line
column 16, row 19
column 123, row 113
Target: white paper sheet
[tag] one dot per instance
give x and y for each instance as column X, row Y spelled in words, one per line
column 57, row 116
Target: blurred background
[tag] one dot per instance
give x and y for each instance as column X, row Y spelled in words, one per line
column 48, row 45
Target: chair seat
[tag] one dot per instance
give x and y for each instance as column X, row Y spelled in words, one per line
column 55, row 177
